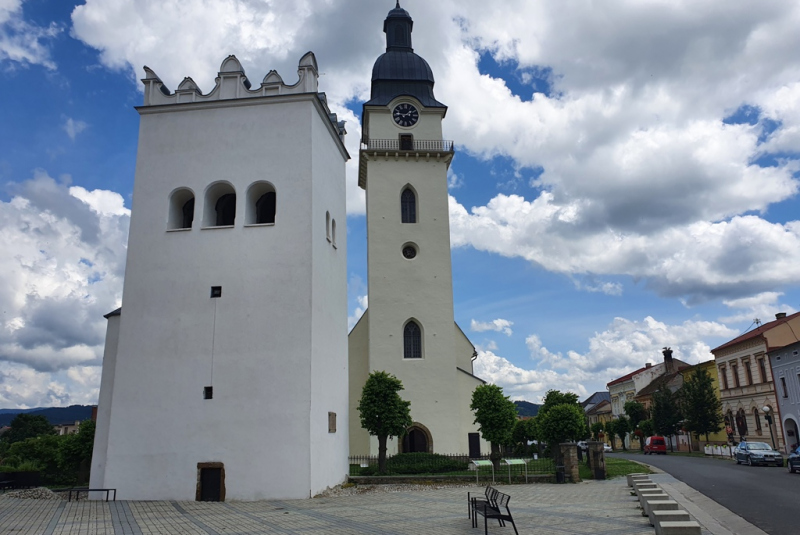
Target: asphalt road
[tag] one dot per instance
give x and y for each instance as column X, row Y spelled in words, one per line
column 768, row 497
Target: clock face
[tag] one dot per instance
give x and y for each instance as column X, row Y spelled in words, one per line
column 405, row 114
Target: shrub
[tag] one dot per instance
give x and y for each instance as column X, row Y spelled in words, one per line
column 425, row 463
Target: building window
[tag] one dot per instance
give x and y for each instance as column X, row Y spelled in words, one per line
column 412, row 341
column 181, row 209
column 331, row 422
column 220, row 205
column 208, row 392
column 783, row 386
column 408, row 206
column 762, row 370
column 724, row 377
column 741, row 422
column 735, row 373
column 261, row 204
column 757, row 418
column 748, row 372
column 406, row 142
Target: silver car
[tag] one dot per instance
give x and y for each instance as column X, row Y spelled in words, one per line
column 752, row 453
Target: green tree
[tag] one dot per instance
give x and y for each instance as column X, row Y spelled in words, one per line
column 495, row 415
column 42, row 451
column 561, row 423
column 75, row 452
column 666, row 413
column 702, row 410
column 25, row 426
column 597, row 428
column 383, row 412
column 556, row 397
column 524, row 431
column 636, row 413
column 622, row 426
column 611, row 433
column 647, row 428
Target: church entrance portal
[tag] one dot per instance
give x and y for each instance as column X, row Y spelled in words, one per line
column 417, row 440
column 210, row 482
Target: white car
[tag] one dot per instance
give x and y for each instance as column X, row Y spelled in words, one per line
column 607, row 448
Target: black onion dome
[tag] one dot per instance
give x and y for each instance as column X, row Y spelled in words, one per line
column 400, row 71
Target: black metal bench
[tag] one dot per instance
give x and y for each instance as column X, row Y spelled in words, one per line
column 491, row 507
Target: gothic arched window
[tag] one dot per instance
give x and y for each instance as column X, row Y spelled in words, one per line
column 412, row 341
column 408, row 206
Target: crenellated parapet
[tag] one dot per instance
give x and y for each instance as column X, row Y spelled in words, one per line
column 232, row 83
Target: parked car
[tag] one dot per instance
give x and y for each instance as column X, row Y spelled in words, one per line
column 607, row 448
column 752, row 453
column 655, row 445
column 793, row 462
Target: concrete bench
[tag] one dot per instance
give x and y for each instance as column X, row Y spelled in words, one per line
column 678, row 515
column 640, row 486
column 633, row 477
column 659, row 505
column 678, row 528
column 653, row 496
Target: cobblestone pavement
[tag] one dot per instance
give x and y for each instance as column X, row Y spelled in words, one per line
column 596, row 507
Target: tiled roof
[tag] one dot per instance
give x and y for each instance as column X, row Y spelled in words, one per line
column 596, row 398
column 656, row 383
column 626, row 377
column 761, row 329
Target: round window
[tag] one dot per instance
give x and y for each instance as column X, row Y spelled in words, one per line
column 409, row 251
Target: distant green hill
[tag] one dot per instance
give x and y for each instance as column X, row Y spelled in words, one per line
column 525, row 408
column 54, row 415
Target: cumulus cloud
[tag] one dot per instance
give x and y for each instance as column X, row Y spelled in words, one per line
column 23, row 43
column 760, row 307
column 65, row 272
column 363, row 303
column 499, row 325
column 623, row 347
column 74, row 127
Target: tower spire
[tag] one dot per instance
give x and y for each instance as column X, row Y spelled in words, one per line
column 398, row 27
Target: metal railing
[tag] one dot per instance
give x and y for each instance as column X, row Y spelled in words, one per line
column 411, row 464
column 416, row 145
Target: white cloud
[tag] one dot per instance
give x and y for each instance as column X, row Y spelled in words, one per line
column 23, row 387
column 762, row 307
column 73, row 127
column 65, row 272
column 21, row 42
column 623, row 347
column 363, row 303
column 499, row 325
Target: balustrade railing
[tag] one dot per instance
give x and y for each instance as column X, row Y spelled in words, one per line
column 416, row 145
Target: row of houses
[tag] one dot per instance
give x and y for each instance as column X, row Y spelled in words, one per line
column 756, row 377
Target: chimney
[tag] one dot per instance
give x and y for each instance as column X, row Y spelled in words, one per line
column 669, row 365
column 647, row 365
column 780, row 315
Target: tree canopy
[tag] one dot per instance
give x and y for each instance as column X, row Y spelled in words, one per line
column 702, row 409
column 25, row 426
column 562, row 423
column 495, row 415
column 383, row 412
column 666, row 412
column 635, row 412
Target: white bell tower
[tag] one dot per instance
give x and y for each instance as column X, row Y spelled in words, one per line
column 408, row 329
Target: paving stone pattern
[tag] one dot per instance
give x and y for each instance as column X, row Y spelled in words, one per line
column 597, row 507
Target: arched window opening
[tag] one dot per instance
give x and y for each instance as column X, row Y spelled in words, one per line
column 226, row 210
column 220, row 206
column 328, row 225
column 408, row 206
column 181, row 209
column 261, row 204
column 741, row 422
column 412, row 341
column 757, row 418
column 333, row 232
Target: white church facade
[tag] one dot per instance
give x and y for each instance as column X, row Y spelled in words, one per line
column 408, row 329
column 225, row 371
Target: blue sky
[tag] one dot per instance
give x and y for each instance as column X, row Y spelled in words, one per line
column 626, row 175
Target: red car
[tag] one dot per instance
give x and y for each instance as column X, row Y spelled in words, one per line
column 655, row 445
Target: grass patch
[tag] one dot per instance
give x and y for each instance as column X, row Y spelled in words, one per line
column 615, row 468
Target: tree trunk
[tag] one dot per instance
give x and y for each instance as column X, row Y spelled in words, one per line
column 382, row 454
column 495, row 456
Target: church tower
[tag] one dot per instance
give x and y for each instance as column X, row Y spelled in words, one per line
column 408, row 329
column 225, row 370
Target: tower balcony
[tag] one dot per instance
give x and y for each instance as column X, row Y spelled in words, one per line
column 404, row 148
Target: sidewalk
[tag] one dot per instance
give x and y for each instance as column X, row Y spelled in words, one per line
column 592, row 507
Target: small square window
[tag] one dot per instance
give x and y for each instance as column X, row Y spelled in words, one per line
column 208, row 392
column 331, row 422
column 216, row 291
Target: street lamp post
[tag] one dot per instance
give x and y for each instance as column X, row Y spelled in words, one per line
column 768, row 418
